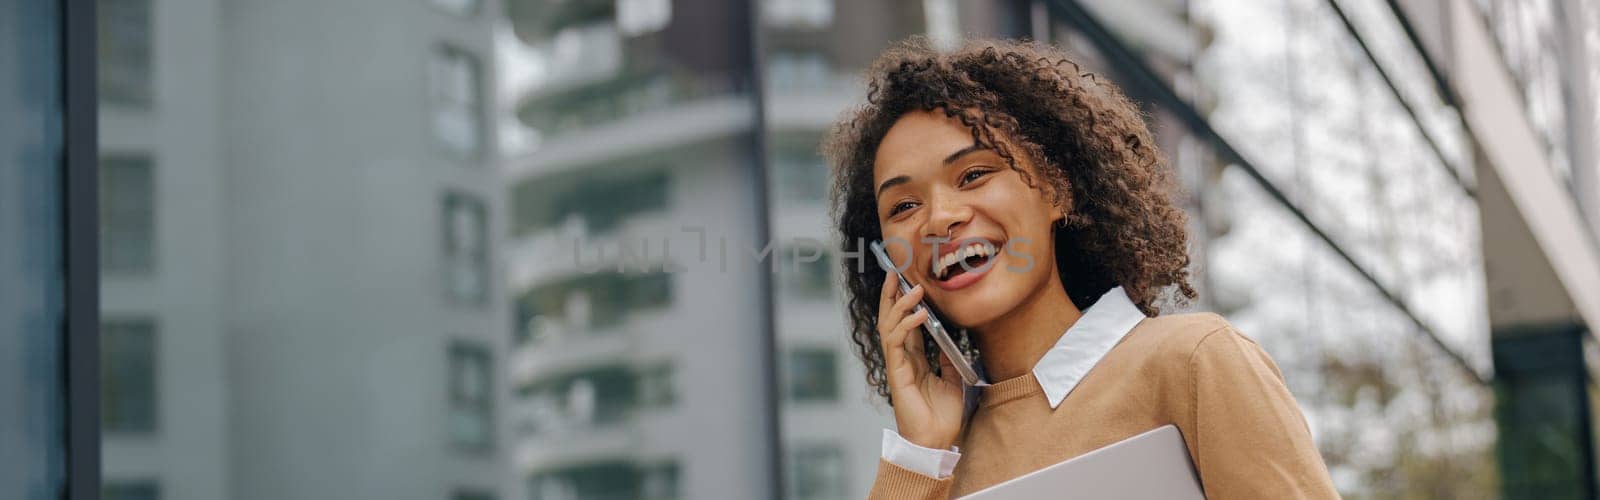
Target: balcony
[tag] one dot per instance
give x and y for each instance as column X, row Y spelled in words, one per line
column 572, row 248
column 541, row 358
column 535, row 20
column 556, row 450
column 561, row 111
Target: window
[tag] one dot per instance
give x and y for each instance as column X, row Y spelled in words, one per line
column 457, row 106
column 463, row 8
column 124, row 48
column 472, row 495
column 127, row 215
column 128, row 376
column 607, row 479
column 471, row 396
column 599, row 397
column 797, row 70
column 659, row 481
column 944, row 25
column 807, row 278
column 638, row 17
column 817, row 472
column 130, row 490
column 656, row 387
column 802, row 175
column 601, row 204
column 798, row 13
column 813, row 375
column 589, row 304
column 466, row 249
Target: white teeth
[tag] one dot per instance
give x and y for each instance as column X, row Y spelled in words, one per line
column 950, row 260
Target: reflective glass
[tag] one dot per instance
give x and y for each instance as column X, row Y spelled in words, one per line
column 32, row 395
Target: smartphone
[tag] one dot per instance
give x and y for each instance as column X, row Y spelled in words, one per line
column 932, row 325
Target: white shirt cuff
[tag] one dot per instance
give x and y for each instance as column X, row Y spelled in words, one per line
column 937, row 464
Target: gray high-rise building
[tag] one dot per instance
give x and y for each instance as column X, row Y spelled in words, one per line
column 298, row 283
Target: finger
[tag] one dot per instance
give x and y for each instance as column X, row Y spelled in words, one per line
column 907, row 302
column 895, row 340
column 890, row 285
column 910, row 334
column 896, row 311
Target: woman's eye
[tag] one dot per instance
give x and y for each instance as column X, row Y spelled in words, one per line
column 900, row 207
column 973, row 175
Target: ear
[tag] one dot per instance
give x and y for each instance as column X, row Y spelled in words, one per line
column 1058, row 215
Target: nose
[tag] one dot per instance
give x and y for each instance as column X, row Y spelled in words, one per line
column 945, row 214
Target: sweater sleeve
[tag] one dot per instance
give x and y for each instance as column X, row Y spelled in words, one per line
column 1249, row 438
column 898, row 483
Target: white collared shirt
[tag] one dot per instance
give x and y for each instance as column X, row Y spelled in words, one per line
column 1088, row 340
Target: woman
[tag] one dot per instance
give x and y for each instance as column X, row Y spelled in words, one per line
column 1035, row 215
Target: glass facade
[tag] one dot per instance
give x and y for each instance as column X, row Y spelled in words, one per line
column 32, row 282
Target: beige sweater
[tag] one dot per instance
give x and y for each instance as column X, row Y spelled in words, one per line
column 1245, row 433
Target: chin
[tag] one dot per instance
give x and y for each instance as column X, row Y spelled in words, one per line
column 975, row 308
column 999, row 293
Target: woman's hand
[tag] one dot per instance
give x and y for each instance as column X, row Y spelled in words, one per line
column 928, row 409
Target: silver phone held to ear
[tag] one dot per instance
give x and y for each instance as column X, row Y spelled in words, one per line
column 932, row 325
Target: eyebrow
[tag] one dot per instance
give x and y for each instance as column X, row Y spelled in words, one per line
column 975, row 147
column 901, row 179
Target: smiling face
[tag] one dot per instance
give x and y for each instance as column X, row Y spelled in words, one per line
column 931, row 180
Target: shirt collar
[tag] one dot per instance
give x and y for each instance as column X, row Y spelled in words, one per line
column 1099, row 329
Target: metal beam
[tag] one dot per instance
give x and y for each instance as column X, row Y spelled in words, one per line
column 1440, row 82
column 1453, row 171
column 81, row 255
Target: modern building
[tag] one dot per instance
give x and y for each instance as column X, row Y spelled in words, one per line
column 639, row 314
column 297, row 282
column 565, row 250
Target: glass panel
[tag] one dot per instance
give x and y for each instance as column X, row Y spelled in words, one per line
column 126, row 58
column 465, row 8
column 458, row 105
column 471, row 396
column 466, row 248
column 127, row 215
column 818, row 473
column 128, row 403
column 32, row 423
column 130, row 490
column 813, row 375
column 797, row 13
column 1311, row 112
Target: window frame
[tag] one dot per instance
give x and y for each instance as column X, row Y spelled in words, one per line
column 152, row 328
column 450, row 253
column 440, row 100
column 461, row 351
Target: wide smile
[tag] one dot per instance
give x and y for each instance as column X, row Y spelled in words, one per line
column 963, row 262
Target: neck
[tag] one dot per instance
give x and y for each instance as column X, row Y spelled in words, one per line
column 1013, row 343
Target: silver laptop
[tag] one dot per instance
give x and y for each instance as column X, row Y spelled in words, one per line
column 1154, row 464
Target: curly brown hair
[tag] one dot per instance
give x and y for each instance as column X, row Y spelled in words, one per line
column 1090, row 144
